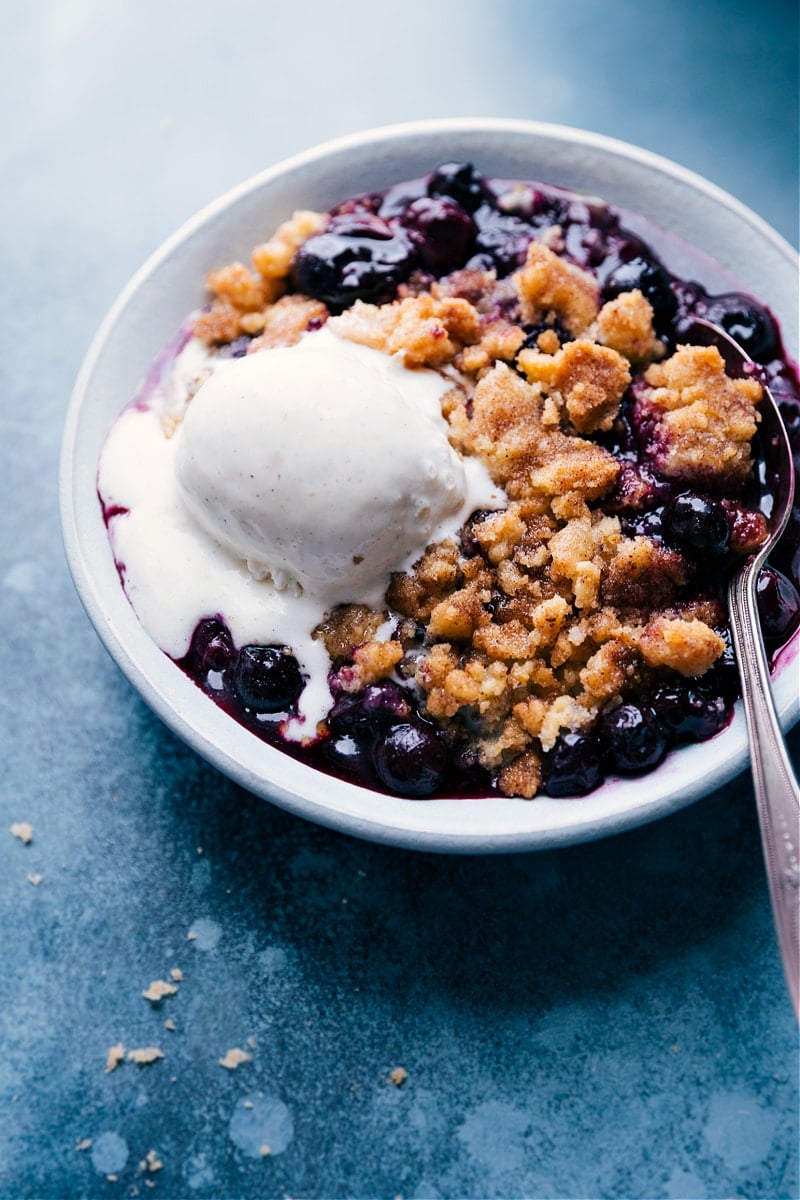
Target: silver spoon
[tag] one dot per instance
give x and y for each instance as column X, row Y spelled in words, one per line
column 776, row 787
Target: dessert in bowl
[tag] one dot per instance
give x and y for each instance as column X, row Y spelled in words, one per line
column 470, row 549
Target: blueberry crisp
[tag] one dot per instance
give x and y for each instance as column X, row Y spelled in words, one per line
column 523, row 591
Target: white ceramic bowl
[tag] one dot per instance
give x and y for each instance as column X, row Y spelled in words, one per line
column 169, row 285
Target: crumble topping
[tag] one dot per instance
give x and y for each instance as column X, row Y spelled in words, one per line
column 582, row 377
column 550, row 286
column 247, row 301
column 151, row 1162
column 559, row 614
column 625, row 324
column 702, row 421
column 514, row 428
column 426, row 331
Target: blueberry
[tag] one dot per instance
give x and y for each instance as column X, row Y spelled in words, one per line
column 645, row 524
column 267, row 679
column 574, row 766
column 344, row 753
column 410, row 759
column 442, row 231
column 778, row 606
column 385, row 702
column 724, row 675
column 651, row 280
column 633, row 738
column 462, row 183
column 211, row 648
column 697, row 525
column 689, row 712
column 586, row 246
column 502, row 239
column 747, row 322
column 367, row 714
column 359, row 257
column 347, row 717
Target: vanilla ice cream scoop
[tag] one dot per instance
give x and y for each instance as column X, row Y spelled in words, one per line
column 324, row 464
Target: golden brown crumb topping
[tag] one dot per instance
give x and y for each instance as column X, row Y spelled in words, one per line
column 515, row 429
column 703, row 420
column 625, row 324
column 582, row 377
column 548, row 286
column 242, row 299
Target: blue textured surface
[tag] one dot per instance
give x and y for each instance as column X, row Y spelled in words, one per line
column 608, row 1020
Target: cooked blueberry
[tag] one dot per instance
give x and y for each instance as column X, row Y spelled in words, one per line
column 697, row 525
column 633, row 738
column 587, row 246
column 778, row 606
column 723, row 678
column 359, row 257
column 385, row 702
column 574, row 766
column 462, row 183
column 749, row 527
column 651, row 280
column 746, row 321
column 211, row 648
column 645, row 524
column 410, row 759
column 344, row 752
column 503, row 239
column 367, row 714
column 442, row 231
column 689, row 713
column 347, row 716
column 267, row 679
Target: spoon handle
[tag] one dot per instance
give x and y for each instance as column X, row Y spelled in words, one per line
column 776, row 787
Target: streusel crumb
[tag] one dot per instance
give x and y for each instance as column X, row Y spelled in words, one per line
column 625, row 324
column 522, row 451
column 548, row 286
column 702, row 421
column 285, row 322
column 586, row 379
column 689, row 647
column 273, row 259
column 242, row 298
column 346, row 627
column 425, row 331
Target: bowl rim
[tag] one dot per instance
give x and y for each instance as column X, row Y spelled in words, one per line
column 140, row 670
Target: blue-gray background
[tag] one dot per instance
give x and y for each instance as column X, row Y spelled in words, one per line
column 608, row 1020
